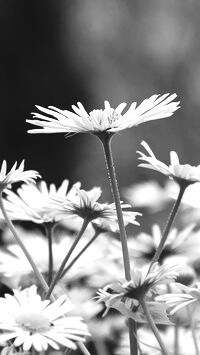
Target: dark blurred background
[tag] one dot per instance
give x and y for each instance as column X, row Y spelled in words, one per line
column 58, row 52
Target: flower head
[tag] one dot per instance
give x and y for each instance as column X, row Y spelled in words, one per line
column 84, row 204
column 126, row 296
column 15, row 175
column 54, row 120
column 185, row 297
column 31, row 201
column 33, row 322
column 180, row 245
column 179, row 172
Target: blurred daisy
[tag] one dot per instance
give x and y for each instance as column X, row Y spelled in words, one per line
column 38, row 324
column 180, row 245
column 126, row 296
column 186, row 297
column 15, row 175
column 148, row 344
column 85, row 205
column 181, row 173
column 98, row 265
column 31, row 202
column 158, row 196
column 54, row 120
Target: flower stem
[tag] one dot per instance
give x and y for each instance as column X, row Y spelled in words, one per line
column 116, row 197
column 80, row 253
column 153, row 326
column 106, row 141
column 37, row 273
column 168, row 224
column 49, row 231
column 83, row 348
column 193, row 332
column 176, row 339
column 65, row 260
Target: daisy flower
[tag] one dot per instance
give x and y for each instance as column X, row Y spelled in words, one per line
column 182, row 244
column 32, row 322
column 85, row 205
column 54, row 120
column 181, row 173
column 31, row 202
column 15, row 175
column 126, row 296
column 149, row 346
column 158, row 196
column 186, row 297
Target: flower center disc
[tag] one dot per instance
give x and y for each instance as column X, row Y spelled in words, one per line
column 33, row 321
column 104, row 116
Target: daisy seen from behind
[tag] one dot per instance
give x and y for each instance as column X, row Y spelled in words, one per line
column 32, row 322
column 31, row 201
column 127, row 296
column 181, row 173
column 7, row 178
column 84, row 204
column 54, row 120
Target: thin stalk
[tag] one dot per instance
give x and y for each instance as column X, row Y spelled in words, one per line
column 116, row 197
column 37, row 273
column 168, row 224
column 193, row 332
column 80, row 253
column 83, row 348
column 106, row 141
column 176, row 339
column 153, row 327
column 49, row 233
column 65, row 260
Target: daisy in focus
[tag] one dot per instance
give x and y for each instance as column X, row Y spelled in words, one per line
column 7, row 178
column 54, row 120
column 126, row 296
column 85, row 205
column 181, row 173
column 38, row 324
column 31, row 202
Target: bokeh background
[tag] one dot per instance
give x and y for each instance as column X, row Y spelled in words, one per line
column 58, row 52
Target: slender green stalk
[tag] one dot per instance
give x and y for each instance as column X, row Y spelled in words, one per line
column 169, row 224
column 80, row 253
column 153, row 327
column 65, row 260
column 106, row 141
column 49, row 227
column 37, row 273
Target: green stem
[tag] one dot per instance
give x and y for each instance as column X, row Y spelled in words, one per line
column 168, row 224
column 65, row 260
column 37, row 273
column 49, row 233
column 80, row 253
column 153, row 326
column 106, row 141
